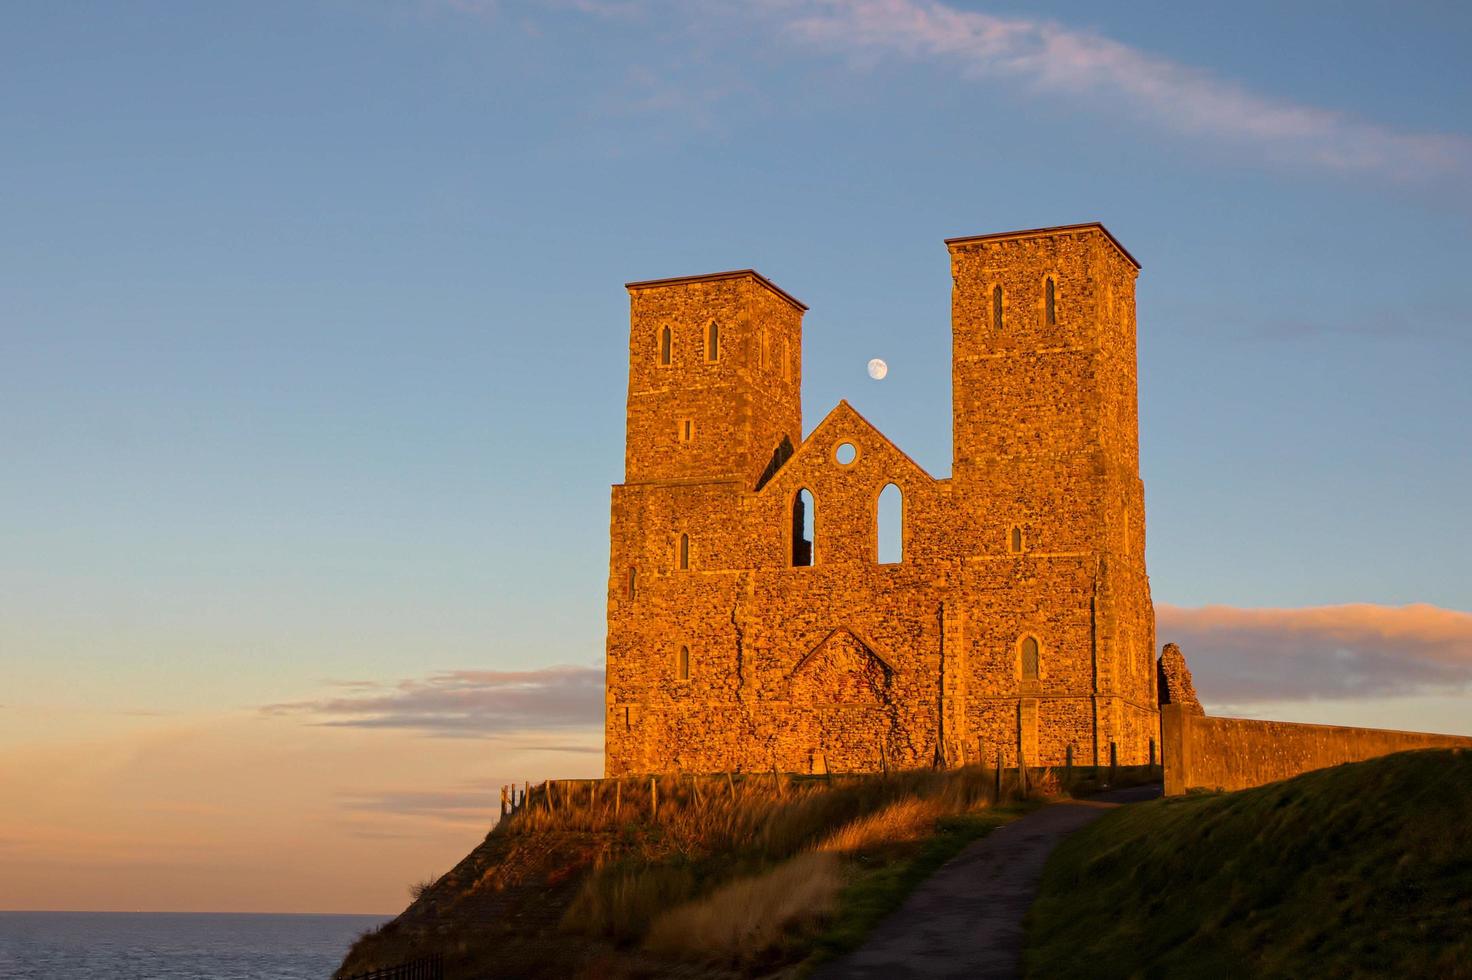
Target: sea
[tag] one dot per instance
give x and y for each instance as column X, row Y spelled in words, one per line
column 175, row 946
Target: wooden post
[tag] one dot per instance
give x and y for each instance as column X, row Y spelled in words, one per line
column 998, row 774
column 551, row 787
column 1068, row 768
column 618, row 797
column 1113, row 761
column 653, row 797
column 503, row 801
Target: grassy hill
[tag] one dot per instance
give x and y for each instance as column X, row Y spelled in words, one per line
column 1359, row 870
column 703, row 877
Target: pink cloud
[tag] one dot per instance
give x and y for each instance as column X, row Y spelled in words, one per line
column 1321, row 652
column 466, row 703
column 1056, row 59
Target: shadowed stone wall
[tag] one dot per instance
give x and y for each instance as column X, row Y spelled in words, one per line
column 1236, row 753
column 847, row 663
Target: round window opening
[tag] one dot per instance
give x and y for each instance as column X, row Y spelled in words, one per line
column 845, row 453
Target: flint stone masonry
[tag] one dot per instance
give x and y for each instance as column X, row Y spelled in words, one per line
column 1202, row 752
column 1175, row 681
column 848, row 664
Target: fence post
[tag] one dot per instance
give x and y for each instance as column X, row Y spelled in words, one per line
column 999, row 774
column 618, row 797
column 503, row 801
column 653, row 797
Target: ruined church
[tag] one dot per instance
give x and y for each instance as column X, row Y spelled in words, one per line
column 751, row 622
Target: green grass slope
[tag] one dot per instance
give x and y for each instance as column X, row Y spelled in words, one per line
column 1359, row 870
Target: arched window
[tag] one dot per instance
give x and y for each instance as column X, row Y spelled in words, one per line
column 682, row 664
column 1029, row 658
column 1015, row 540
column 713, row 342
column 803, row 520
column 1050, row 301
column 889, row 525
column 684, row 551
column 996, row 307
column 666, row 342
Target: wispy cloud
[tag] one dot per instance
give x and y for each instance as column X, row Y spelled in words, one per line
column 1051, row 59
column 1055, row 59
column 1326, row 652
column 466, row 703
column 474, row 805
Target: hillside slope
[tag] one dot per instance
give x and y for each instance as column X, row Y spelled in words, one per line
column 711, row 876
column 1360, row 870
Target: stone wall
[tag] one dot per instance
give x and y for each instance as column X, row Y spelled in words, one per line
column 1202, row 752
column 847, row 663
column 1175, row 681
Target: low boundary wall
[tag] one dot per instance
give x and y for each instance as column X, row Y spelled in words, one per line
column 1234, row 753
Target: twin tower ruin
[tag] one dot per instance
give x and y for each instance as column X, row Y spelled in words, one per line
column 751, row 623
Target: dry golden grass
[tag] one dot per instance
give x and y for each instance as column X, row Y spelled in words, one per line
column 904, row 820
column 690, row 837
column 744, row 919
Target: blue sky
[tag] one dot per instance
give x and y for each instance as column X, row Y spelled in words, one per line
column 313, row 334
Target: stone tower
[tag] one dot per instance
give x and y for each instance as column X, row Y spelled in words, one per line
column 1017, row 622
column 715, row 378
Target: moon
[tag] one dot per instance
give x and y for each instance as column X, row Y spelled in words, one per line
column 878, row 369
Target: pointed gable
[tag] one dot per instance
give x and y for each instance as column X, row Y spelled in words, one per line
column 842, row 668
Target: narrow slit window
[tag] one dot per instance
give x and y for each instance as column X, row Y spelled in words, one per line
column 1050, row 302
column 687, row 430
column 713, row 342
column 666, row 343
column 633, row 583
column 786, row 361
column 1015, row 540
column 1029, row 658
column 682, row 665
column 996, row 307
column 684, row 551
column 802, row 528
column 889, row 529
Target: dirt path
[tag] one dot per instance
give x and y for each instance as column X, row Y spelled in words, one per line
column 966, row 919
